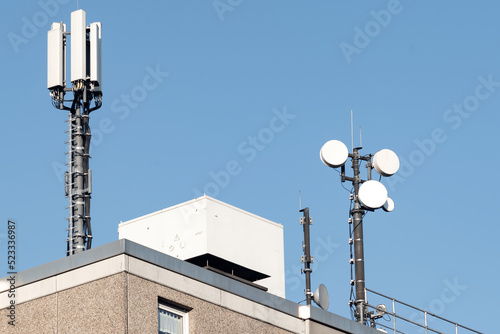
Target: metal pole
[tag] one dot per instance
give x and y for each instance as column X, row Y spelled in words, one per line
column 394, row 317
column 306, row 221
column 425, row 321
column 79, row 176
column 78, row 200
column 359, row 264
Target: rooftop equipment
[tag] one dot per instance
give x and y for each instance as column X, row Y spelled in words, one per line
column 215, row 235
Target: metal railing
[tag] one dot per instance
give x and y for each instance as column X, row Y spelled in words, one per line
column 402, row 321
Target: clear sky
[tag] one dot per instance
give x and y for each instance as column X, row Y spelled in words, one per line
column 191, row 86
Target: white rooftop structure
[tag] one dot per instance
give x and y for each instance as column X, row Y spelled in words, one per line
column 218, row 236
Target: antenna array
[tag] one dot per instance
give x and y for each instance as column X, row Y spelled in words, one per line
column 367, row 195
column 86, row 86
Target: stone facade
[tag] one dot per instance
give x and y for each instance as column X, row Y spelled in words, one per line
column 124, row 303
column 116, row 288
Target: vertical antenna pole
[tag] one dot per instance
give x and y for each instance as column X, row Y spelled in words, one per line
column 352, row 136
column 360, row 138
column 307, row 258
column 78, row 170
column 359, row 264
column 79, row 235
column 300, row 200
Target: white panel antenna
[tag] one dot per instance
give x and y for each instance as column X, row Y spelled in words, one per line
column 56, row 54
column 95, row 55
column 78, row 45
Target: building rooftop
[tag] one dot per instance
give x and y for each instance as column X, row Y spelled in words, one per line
column 125, row 256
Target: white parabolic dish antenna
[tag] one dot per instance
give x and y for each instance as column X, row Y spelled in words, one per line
column 372, row 194
column 321, row 297
column 386, row 162
column 389, row 205
column 334, row 153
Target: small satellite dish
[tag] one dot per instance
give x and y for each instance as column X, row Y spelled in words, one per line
column 372, row 194
column 389, row 205
column 386, row 162
column 321, row 297
column 334, row 153
column 381, row 310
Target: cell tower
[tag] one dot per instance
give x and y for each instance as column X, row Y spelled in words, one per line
column 366, row 195
column 86, row 86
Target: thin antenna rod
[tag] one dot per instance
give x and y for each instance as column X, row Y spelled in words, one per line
column 300, row 201
column 360, row 138
column 352, row 136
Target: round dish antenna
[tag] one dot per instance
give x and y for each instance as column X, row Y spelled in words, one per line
column 321, row 297
column 381, row 310
column 386, row 162
column 372, row 194
column 389, row 205
column 334, row 153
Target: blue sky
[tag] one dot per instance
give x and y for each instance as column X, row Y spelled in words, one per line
column 265, row 84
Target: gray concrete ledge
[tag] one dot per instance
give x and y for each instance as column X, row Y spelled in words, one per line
column 127, row 247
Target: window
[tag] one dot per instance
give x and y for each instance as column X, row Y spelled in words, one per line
column 172, row 320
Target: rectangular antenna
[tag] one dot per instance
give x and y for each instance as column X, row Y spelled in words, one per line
column 55, row 56
column 95, row 54
column 78, row 45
